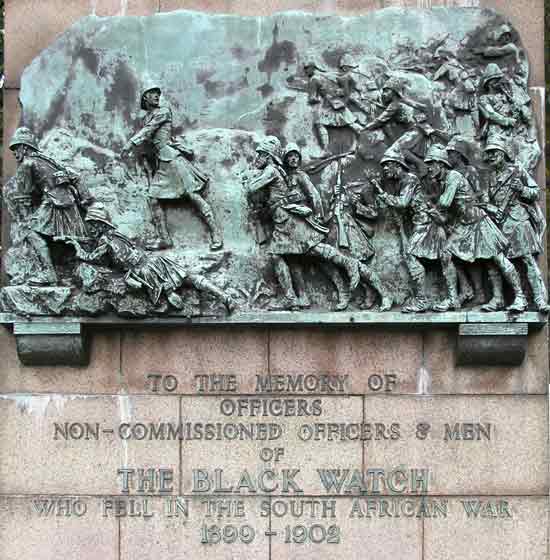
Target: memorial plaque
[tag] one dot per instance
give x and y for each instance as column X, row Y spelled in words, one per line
column 275, row 287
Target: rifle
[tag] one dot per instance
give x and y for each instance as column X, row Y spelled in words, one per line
column 343, row 240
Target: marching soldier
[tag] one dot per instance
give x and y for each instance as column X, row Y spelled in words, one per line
column 294, row 229
column 473, row 235
column 513, row 197
column 427, row 238
column 58, row 214
column 329, row 107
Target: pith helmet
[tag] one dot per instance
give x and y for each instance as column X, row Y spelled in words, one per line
column 149, row 86
column 503, row 29
column 23, row 136
column 394, row 84
column 292, row 147
column 347, row 60
column 311, row 61
column 460, row 145
column 437, row 153
column 394, row 155
column 97, row 213
column 271, row 146
column 497, row 143
column 492, row 72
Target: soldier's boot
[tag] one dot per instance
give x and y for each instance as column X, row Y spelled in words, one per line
column 451, row 302
column 342, row 289
column 419, row 303
column 201, row 283
column 349, row 264
column 512, row 277
column 163, row 240
column 205, row 210
column 175, row 300
column 534, row 277
column 322, row 135
column 357, row 130
column 47, row 275
column 282, row 272
column 480, row 297
column 496, row 303
column 467, row 292
column 370, row 276
column 371, row 296
column 303, row 299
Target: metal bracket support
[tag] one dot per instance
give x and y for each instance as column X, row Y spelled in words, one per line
column 492, row 344
column 48, row 344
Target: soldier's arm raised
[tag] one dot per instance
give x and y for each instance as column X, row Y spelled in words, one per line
column 148, row 130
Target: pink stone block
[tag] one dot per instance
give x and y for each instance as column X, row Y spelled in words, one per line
column 359, row 353
column 43, row 460
column 174, row 538
column 27, row 536
column 527, row 16
column 101, row 376
column 186, row 353
column 509, row 458
column 446, row 377
column 262, row 8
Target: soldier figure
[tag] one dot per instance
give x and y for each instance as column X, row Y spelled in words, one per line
column 496, row 105
column 513, row 197
column 414, row 128
column 306, row 193
column 171, row 174
column 61, row 204
column 357, row 243
column 295, row 231
column 458, row 152
column 427, row 238
column 143, row 270
column 473, row 235
column 329, row 106
column 354, row 86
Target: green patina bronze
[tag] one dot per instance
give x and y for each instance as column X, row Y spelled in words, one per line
column 193, row 165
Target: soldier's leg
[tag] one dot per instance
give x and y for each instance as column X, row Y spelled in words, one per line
column 511, row 275
column 341, row 287
column 450, row 276
column 164, row 241
column 282, row 273
column 419, row 303
column 204, row 285
column 495, row 280
column 372, row 278
column 205, row 211
column 476, row 276
column 299, row 281
column 47, row 275
column 322, row 136
column 534, row 277
column 349, row 264
column 466, row 289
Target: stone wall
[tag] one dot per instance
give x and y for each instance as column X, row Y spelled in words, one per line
column 429, row 388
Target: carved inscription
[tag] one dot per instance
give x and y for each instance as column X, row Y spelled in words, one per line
column 275, row 494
